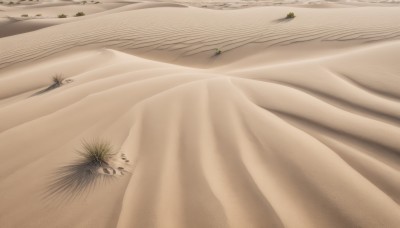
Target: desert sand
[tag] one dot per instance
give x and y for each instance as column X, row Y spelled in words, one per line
column 295, row 123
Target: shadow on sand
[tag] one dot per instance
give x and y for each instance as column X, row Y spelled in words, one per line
column 51, row 87
column 57, row 82
column 282, row 20
column 75, row 180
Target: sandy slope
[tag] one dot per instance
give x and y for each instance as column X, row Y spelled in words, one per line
column 295, row 124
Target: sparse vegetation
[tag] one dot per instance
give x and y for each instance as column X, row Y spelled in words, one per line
column 38, row 15
column 97, row 152
column 81, row 176
column 11, row 3
column 57, row 80
column 79, row 14
column 290, row 15
column 62, row 16
column 24, row 15
column 218, row 51
column 96, row 2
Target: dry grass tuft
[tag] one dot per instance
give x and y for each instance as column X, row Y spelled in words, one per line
column 97, row 152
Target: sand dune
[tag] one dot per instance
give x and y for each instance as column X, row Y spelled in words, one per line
column 192, row 42
column 295, row 124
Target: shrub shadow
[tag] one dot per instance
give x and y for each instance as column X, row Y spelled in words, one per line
column 282, row 20
column 51, row 87
column 58, row 81
column 75, row 180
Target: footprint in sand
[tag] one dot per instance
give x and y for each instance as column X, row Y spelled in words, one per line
column 112, row 171
column 123, row 157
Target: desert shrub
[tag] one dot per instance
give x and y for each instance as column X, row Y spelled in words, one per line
column 97, row 3
column 24, row 15
column 38, row 15
column 218, row 51
column 58, row 80
column 62, row 16
column 11, row 3
column 97, row 152
column 79, row 14
column 290, row 15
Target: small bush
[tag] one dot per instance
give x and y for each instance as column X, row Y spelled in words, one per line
column 290, row 15
column 58, row 80
column 97, row 3
column 217, row 51
column 11, row 3
column 38, row 15
column 62, row 16
column 97, row 152
column 24, row 15
column 79, row 14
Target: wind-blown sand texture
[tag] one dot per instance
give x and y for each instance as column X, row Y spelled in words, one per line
column 295, row 124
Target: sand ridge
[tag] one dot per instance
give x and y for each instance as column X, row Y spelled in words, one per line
column 188, row 39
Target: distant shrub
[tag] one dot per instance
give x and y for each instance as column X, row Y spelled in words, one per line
column 11, row 3
column 96, row 2
column 217, row 51
column 79, row 14
column 290, row 15
column 24, row 15
column 57, row 80
column 38, row 15
column 62, row 16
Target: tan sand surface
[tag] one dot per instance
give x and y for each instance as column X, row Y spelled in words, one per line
column 296, row 123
